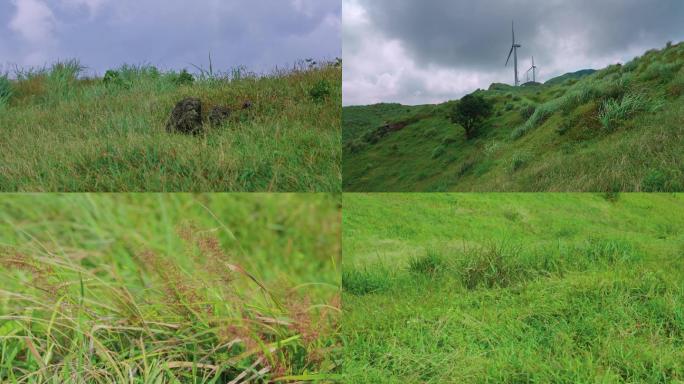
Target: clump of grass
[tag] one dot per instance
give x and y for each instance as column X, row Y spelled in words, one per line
column 605, row 252
column 501, row 265
column 676, row 88
column 527, row 111
column 541, row 114
column 61, row 79
column 366, row 280
column 614, row 111
column 497, row 265
column 431, row 264
column 518, row 160
column 579, row 94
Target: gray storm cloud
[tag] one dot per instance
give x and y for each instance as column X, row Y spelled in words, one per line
column 172, row 34
column 452, row 37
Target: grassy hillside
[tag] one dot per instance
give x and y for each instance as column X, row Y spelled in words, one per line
column 62, row 132
column 617, row 129
column 513, row 288
column 169, row 288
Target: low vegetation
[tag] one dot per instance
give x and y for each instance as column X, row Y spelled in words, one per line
column 513, row 288
column 169, row 288
column 586, row 131
column 63, row 131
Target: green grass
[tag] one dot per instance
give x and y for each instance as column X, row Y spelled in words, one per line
column 513, row 288
column 63, row 132
column 599, row 131
column 169, row 288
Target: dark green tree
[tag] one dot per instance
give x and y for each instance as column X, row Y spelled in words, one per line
column 470, row 113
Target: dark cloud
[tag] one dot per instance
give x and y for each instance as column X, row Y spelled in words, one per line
column 259, row 34
column 474, row 35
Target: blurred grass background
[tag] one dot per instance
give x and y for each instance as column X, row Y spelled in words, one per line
column 130, row 262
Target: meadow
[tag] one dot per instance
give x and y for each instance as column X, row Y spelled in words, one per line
column 63, row 131
column 169, row 288
column 616, row 129
column 513, row 288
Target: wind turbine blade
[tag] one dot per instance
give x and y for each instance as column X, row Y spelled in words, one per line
column 533, row 61
column 513, row 31
column 509, row 56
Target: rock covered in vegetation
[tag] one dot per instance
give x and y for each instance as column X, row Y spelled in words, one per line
column 186, row 117
column 218, row 115
column 247, row 105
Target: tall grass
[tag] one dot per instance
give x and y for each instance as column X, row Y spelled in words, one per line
column 65, row 132
column 614, row 111
column 5, row 90
column 579, row 94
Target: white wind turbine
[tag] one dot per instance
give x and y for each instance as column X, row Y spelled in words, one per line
column 514, row 52
column 533, row 68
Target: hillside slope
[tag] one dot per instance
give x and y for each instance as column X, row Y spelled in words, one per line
column 62, row 132
column 617, row 129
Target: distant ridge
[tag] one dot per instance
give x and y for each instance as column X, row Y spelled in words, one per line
column 570, row 75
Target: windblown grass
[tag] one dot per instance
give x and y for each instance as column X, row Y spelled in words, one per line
column 63, row 132
column 513, row 288
column 169, row 288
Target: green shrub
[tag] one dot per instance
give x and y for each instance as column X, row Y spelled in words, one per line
column 470, row 112
column 113, row 78
column 182, row 78
column 320, row 91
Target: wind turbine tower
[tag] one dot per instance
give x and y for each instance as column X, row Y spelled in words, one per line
column 514, row 52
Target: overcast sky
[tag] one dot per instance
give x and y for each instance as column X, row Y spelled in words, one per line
column 171, row 34
column 428, row 51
